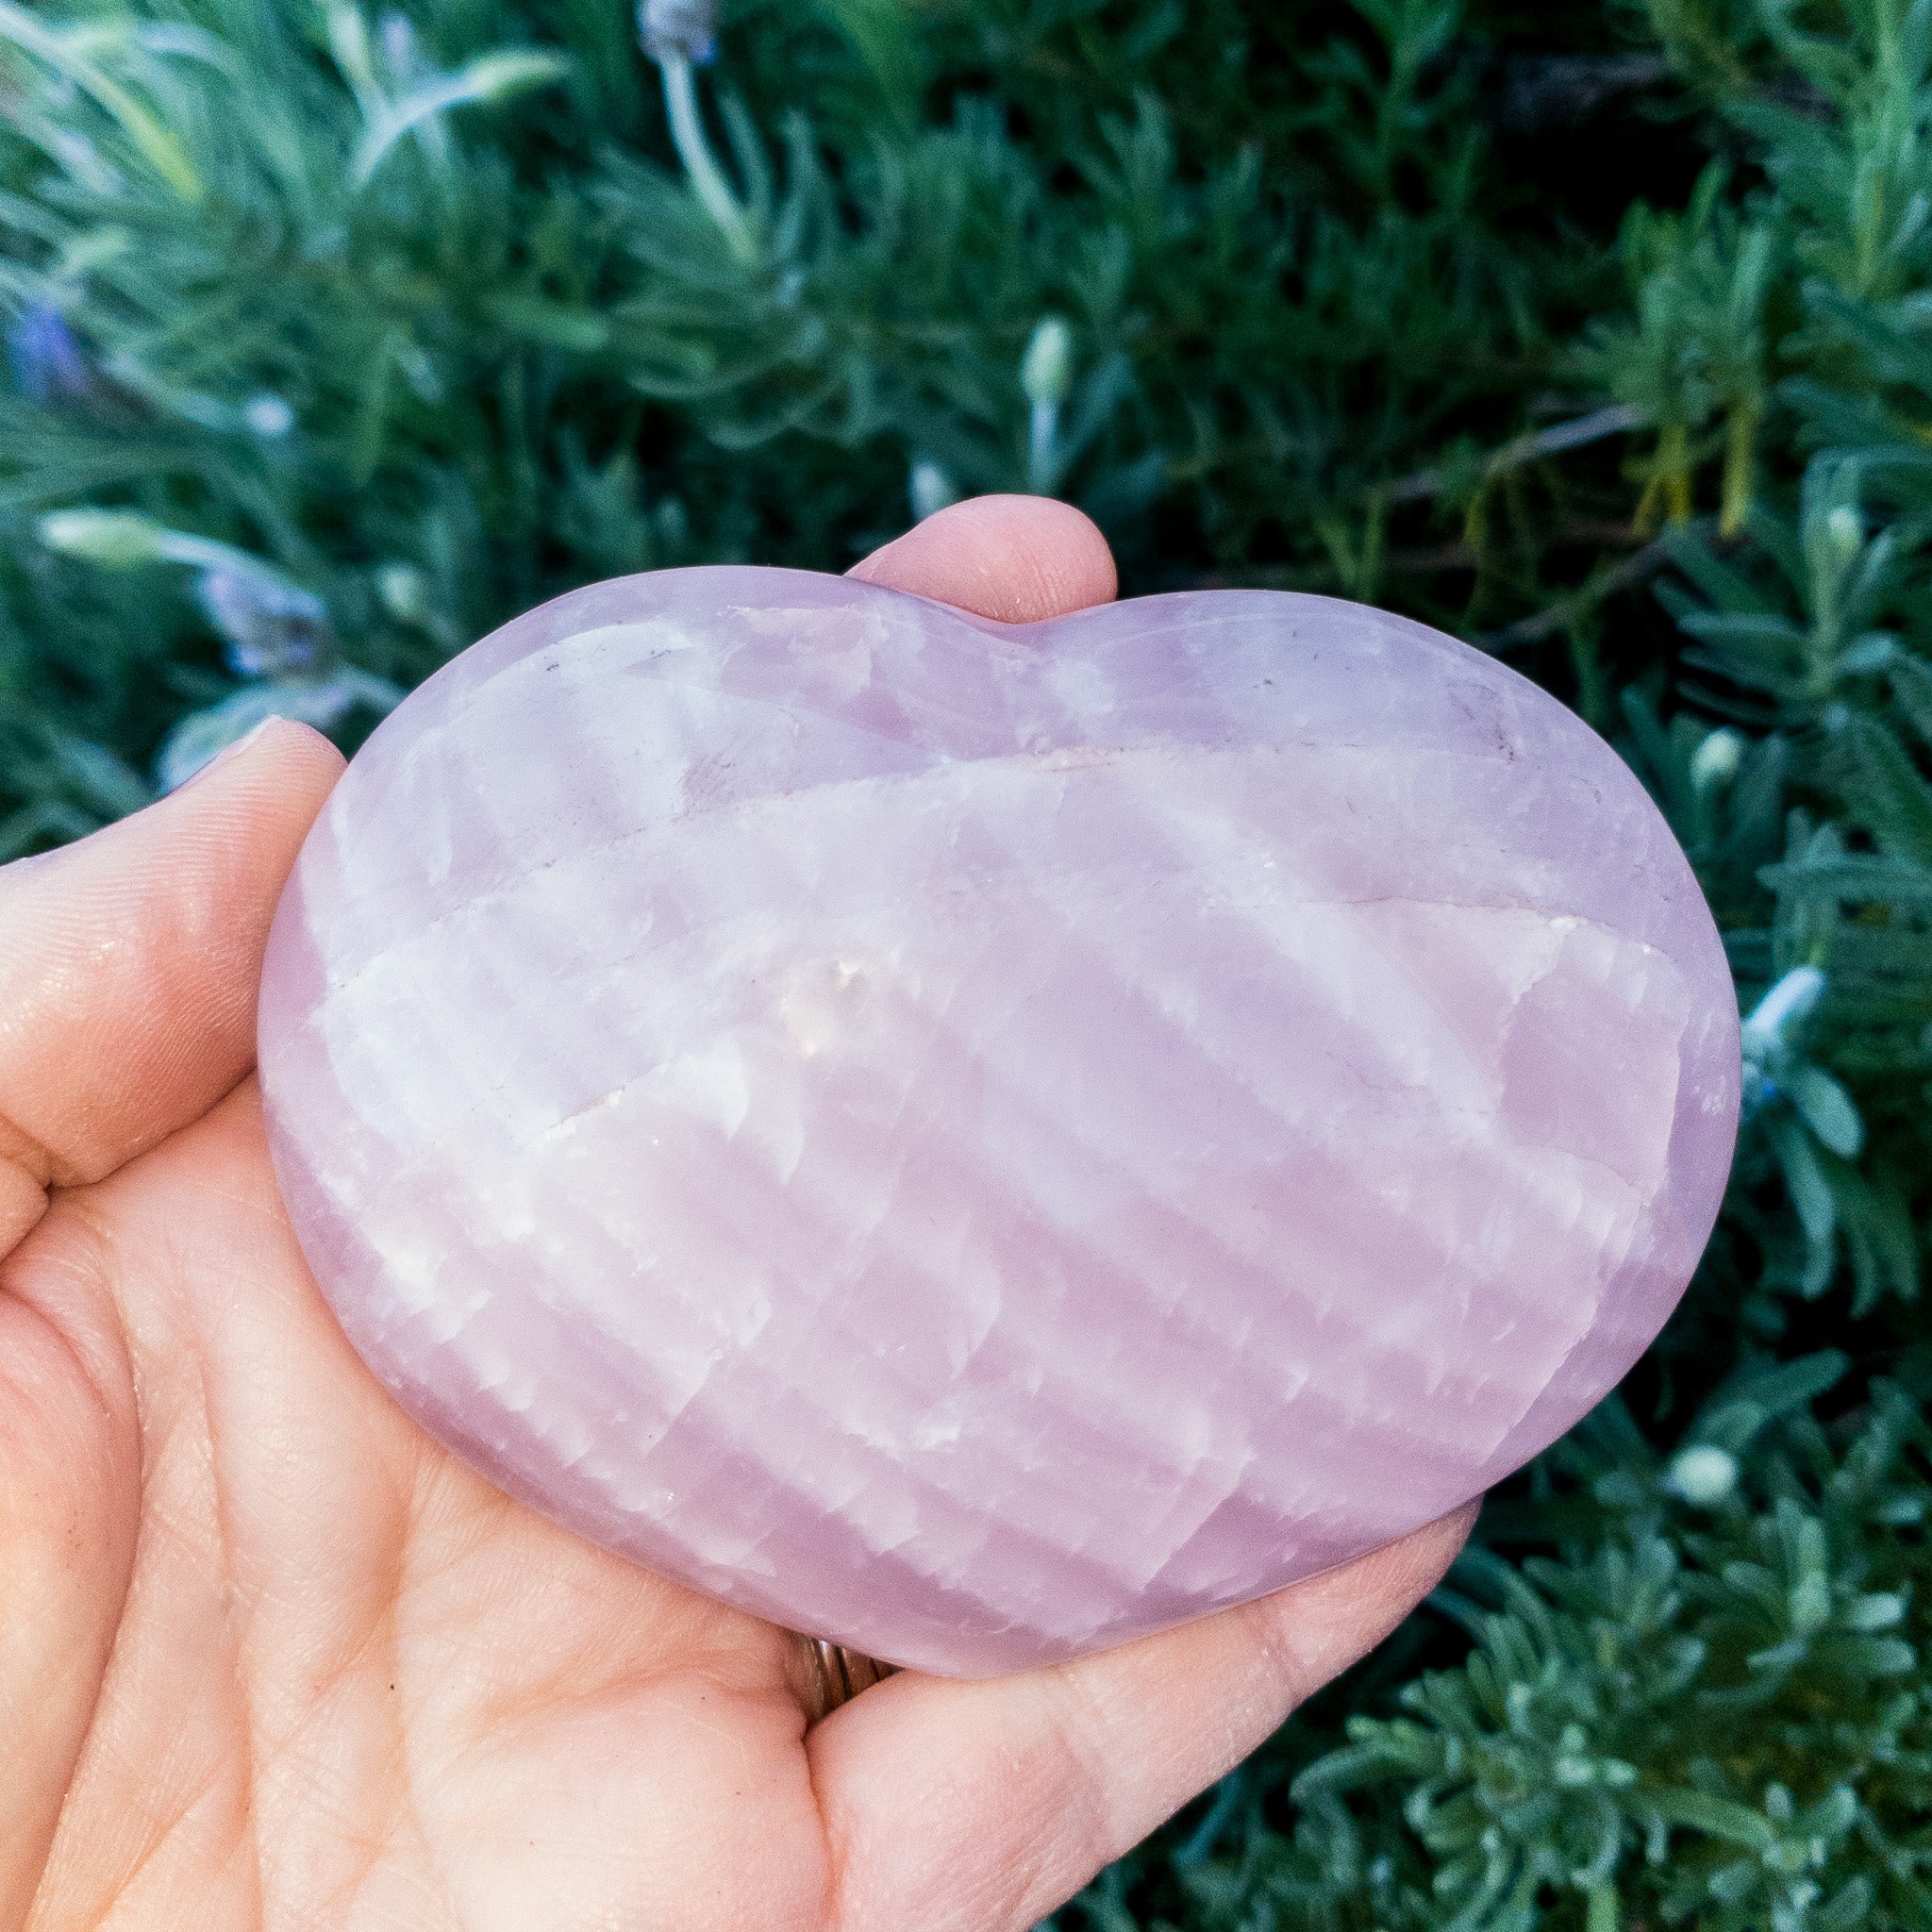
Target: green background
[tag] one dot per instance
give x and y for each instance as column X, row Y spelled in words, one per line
column 1599, row 334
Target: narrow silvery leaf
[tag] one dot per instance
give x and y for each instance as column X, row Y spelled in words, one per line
column 1829, row 1110
column 1788, row 1003
column 1805, row 1180
column 202, row 735
column 491, row 77
column 320, row 701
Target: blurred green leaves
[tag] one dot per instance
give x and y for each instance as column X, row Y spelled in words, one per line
column 338, row 336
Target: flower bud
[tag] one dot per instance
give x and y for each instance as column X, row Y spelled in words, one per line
column 1715, row 762
column 405, row 593
column 270, row 630
column 1047, row 367
column 397, row 34
column 48, row 362
column 931, row 488
column 1704, row 1475
column 678, row 29
column 1846, row 528
column 114, row 537
column 268, row 415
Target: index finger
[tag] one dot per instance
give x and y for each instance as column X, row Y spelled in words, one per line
column 130, row 962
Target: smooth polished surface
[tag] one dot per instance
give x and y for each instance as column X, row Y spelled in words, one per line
column 980, row 1142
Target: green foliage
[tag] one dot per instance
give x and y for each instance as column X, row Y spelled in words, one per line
column 1713, row 1714
column 1599, row 331
column 324, row 292
column 1707, row 1709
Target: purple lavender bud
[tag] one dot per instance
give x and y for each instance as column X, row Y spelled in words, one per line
column 398, row 35
column 270, row 629
column 685, row 29
column 48, row 362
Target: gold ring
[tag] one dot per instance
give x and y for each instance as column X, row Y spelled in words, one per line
column 838, row 1675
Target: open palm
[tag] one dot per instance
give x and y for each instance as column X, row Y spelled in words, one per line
column 270, row 1657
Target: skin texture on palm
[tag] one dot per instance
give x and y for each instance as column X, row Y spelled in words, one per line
column 271, row 1657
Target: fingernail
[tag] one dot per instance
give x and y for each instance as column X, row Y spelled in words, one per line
column 227, row 753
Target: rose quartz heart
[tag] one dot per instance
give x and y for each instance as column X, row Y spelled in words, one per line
column 983, row 1142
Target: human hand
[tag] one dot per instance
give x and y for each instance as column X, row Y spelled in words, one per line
column 270, row 1657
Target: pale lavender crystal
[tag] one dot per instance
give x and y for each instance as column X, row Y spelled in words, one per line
column 984, row 1142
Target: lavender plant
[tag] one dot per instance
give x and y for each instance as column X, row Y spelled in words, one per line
column 1596, row 331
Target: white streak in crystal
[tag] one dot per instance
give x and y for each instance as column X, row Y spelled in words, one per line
column 983, row 1142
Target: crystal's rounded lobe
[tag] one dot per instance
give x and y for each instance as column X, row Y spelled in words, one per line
column 982, row 1143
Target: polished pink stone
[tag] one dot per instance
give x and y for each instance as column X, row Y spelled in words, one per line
column 983, row 1142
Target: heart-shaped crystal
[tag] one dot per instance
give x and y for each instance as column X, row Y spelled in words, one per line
column 981, row 1142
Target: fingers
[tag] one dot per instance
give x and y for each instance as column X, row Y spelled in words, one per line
column 984, row 1806
column 129, row 962
column 978, row 1807
column 1018, row 558
column 128, row 965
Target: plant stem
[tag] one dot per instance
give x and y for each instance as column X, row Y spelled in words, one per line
column 706, row 178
